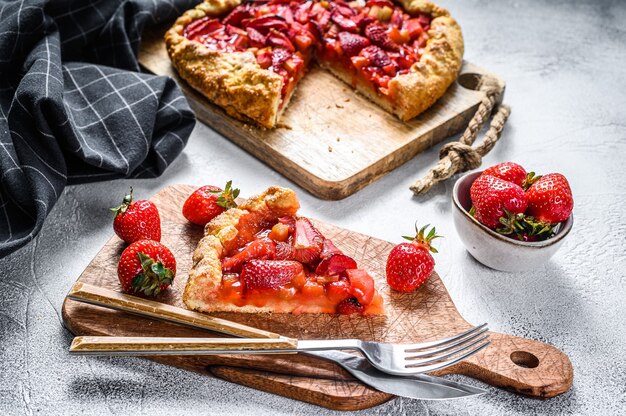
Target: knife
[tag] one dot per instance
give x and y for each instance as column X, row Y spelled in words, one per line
column 418, row 386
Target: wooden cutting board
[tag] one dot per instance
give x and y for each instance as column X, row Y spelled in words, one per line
column 332, row 142
column 521, row 365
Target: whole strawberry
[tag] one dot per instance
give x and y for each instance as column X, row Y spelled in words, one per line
column 137, row 220
column 208, row 202
column 146, row 267
column 550, row 199
column 508, row 171
column 409, row 265
column 492, row 197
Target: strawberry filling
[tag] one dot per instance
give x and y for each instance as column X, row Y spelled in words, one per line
column 381, row 42
column 269, row 274
column 335, row 265
column 376, row 41
column 291, row 261
column 263, row 248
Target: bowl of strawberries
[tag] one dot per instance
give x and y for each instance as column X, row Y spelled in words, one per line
column 512, row 220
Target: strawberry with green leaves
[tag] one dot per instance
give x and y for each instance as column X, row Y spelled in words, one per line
column 524, row 227
column 146, row 267
column 522, row 205
column 409, row 265
column 493, row 197
column 137, row 220
column 208, row 202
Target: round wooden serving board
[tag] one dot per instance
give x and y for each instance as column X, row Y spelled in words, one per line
column 524, row 366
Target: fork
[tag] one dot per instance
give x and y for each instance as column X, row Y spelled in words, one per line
column 397, row 359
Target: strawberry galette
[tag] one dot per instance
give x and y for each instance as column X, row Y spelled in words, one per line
column 247, row 57
column 262, row 257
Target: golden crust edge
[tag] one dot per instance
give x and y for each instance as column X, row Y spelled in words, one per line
column 438, row 68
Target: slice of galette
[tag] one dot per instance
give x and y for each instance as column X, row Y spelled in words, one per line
column 262, row 257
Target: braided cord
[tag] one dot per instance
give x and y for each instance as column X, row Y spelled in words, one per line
column 456, row 157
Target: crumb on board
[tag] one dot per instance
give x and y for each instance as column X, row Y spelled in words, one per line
column 338, row 106
column 347, row 100
column 283, row 126
column 330, row 149
column 338, row 139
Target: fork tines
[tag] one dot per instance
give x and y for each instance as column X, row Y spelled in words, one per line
column 436, row 355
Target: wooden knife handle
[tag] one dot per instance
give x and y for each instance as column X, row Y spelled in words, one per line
column 98, row 345
column 95, row 295
column 525, row 366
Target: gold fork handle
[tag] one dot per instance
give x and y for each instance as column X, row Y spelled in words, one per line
column 103, row 345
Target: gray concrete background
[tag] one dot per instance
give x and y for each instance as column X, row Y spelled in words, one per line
column 564, row 63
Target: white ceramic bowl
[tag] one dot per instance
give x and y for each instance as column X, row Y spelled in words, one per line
column 495, row 250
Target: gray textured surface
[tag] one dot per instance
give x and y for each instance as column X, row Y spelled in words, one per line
column 564, row 64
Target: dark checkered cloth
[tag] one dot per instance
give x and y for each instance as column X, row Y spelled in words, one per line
column 74, row 107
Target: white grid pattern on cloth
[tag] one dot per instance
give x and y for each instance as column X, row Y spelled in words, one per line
column 100, row 119
column 68, row 116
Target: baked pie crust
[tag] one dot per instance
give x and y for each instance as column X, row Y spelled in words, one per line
column 235, row 81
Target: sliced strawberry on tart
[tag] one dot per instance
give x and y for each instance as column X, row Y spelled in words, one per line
column 262, row 257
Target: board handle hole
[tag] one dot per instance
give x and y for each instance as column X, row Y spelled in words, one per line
column 524, row 359
column 470, row 81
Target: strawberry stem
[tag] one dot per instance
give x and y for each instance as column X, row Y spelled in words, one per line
column 126, row 202
column 530, row 180
column 525, row 227
column 226, row 198
column 153, row 276
column 422, row 238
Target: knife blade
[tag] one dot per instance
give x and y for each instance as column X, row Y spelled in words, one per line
column 418, row 386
